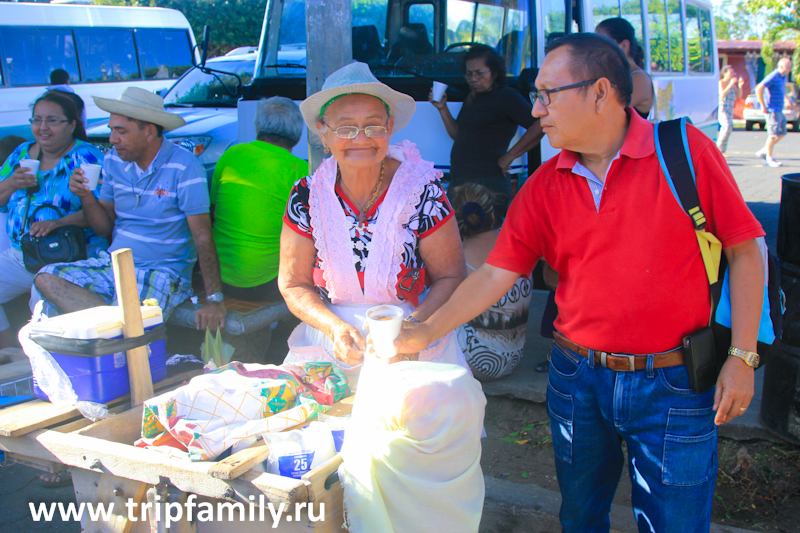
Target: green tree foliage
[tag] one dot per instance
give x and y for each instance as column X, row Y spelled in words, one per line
column 783, row 19
column 233, row 22
column 733, row 21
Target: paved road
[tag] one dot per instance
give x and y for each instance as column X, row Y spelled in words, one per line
column 760, row 186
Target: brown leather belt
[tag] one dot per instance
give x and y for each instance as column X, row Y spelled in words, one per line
column 623, row 362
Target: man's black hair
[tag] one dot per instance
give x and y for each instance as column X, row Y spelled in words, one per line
column 596, row 56
column 59, row 77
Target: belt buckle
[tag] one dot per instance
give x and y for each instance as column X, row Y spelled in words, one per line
column 630, row 358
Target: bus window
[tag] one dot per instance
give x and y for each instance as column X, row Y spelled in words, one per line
column 488, row 24
column 107, row 55
column 675, row 29
column 694, row 39
column 632, row 12
column 370, row 12
column 460, row 16
column 659, row 44
column 164, row 54
column 604, row 9
column 705, row 27
column 293, row 22
column 515, row 45
column 554, row 13
column 31, row 54
column 422, row 14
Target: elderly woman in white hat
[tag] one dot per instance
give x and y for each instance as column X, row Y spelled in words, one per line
column 371, row 226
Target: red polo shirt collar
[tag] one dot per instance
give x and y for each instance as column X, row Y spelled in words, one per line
column 639, row 142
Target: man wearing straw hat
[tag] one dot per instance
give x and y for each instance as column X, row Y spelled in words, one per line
column 153, row 200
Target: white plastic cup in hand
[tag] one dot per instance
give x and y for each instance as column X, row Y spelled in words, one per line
column 33, row 165
column 92, row 173
column 385, row 323
column 438, row 90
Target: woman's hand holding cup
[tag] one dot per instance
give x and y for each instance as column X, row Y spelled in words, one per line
column 23, row 178
column 440, row 104
column 348, row 344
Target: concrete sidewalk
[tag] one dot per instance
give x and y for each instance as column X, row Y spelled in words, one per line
column 528, row 384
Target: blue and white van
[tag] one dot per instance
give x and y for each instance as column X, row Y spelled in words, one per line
column 103, row 48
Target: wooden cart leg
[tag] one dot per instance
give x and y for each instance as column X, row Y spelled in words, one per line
column 109, row 490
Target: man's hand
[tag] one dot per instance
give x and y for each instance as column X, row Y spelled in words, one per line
column 78, row 185
column 40, row 229
column 211, row 316
column 22, row 179
column 734, row 390
column 412, row 339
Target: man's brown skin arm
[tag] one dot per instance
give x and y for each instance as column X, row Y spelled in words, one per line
column 212, row 315
column 736, row 380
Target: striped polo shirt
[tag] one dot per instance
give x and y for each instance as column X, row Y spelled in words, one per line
column 152, row 209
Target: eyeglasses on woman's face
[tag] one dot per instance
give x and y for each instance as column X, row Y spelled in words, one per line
column 50, row 121
column 351, row 132
column 478, row 74
column 543, row 95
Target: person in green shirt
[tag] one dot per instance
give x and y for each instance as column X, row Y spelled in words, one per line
column 249, row 191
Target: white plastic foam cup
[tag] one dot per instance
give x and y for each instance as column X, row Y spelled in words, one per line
column 438, row 90
column 92, row 173
column 33, row 165
column 385, row 323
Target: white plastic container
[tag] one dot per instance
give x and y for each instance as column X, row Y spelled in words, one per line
column 104, row 322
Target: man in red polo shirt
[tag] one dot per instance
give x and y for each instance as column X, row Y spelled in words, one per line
column 632, row 281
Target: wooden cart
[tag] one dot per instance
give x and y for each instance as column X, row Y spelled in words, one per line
column 106, row 467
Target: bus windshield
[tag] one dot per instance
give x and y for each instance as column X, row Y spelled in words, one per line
column 198, row 89
column 402, row 38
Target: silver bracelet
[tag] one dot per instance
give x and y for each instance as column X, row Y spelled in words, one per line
column 412, row 319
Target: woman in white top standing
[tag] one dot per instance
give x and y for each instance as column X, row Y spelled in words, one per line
column 730, row 89
column 492, row 342
column 621, row 32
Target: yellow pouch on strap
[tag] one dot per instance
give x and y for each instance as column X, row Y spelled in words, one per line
column 711, row 250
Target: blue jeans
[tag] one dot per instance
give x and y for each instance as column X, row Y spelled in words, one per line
column 669, row 432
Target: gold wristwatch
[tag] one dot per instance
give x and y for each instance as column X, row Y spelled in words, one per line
column 750, row 358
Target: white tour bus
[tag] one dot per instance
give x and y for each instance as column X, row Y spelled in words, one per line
column 103, row 48
column 410, row 43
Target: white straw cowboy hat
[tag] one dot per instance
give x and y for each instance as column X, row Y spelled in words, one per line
column 143, row 105
column 356, row 78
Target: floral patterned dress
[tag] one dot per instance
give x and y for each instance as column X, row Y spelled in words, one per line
column 358, row 266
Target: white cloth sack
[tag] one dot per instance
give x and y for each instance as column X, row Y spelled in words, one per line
column 412, row 452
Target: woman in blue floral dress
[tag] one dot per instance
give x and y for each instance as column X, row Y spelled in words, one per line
column 60, row 146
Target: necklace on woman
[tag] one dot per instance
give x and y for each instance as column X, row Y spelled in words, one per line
column 363, row 210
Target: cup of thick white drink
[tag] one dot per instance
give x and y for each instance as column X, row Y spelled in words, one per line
column 438, row 90
column 385, row 323
column 33, row 165
column 92, row 173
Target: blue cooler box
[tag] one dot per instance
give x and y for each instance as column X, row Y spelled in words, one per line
column 97, row 378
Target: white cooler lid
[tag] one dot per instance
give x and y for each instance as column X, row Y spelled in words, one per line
column 104, row 322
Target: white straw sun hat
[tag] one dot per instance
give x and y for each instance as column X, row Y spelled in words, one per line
column 140, row 104
column 356, row 78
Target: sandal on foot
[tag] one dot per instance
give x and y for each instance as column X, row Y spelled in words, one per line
column 60, row 479
column 544, row 366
